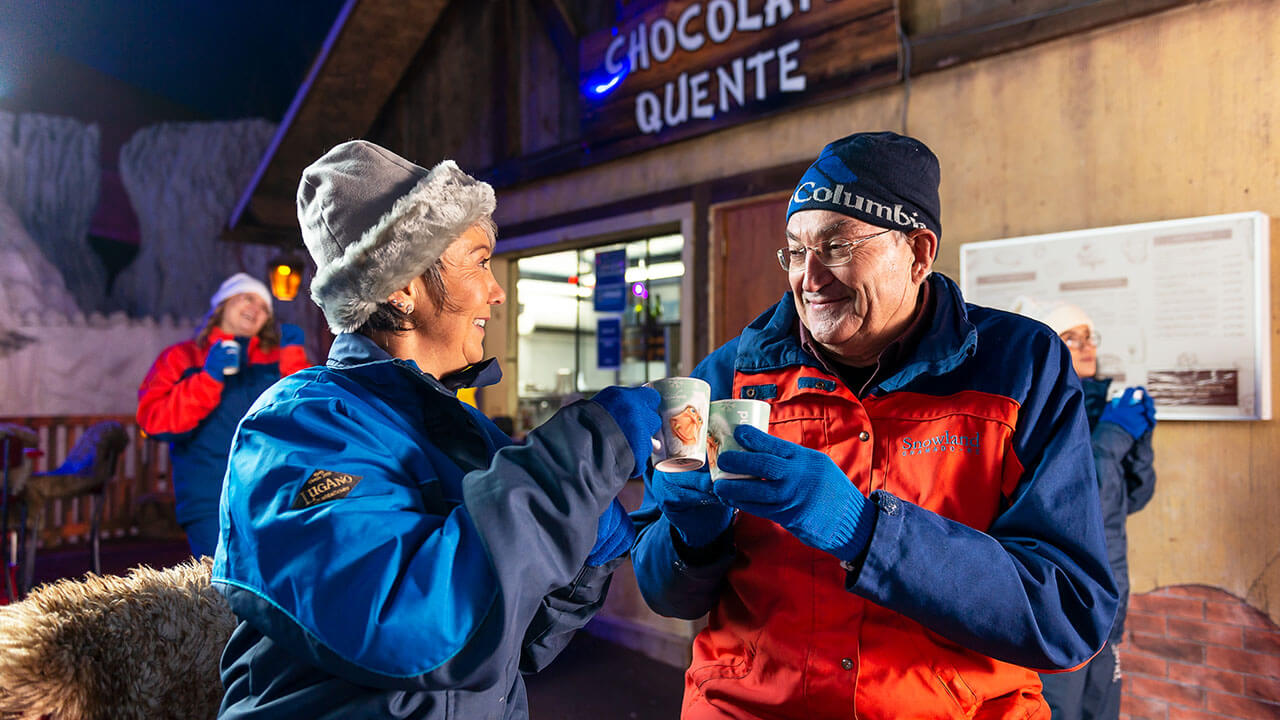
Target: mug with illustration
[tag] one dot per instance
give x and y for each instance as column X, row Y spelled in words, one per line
column 725, row 415
column 681, row 444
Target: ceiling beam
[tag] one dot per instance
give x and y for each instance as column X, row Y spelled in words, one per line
column 368, row 49
column 1014, row 26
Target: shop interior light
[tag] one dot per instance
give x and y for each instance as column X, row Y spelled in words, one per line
column 656, row 271
column 285, row 274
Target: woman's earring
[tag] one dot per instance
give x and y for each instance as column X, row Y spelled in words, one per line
column 402, row 306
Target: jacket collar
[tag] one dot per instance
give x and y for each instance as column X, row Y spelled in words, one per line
column 951, row 339
column 351, row 350
column 772, row 341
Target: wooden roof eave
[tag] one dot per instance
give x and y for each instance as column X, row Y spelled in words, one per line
column 367, row 51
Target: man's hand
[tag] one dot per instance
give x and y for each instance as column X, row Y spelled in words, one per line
column 690, row 506
column 800, row 489
column 1135, row 416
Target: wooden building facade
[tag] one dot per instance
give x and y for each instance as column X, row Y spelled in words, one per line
column 1047, row 115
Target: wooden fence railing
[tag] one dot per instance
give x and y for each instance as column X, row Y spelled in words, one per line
column 139, row 496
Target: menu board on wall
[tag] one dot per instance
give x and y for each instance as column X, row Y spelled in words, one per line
column 1182, row 306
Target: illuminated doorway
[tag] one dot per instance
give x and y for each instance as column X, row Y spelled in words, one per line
column 593, row 317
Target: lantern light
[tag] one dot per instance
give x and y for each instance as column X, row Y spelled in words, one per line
column 285, row 274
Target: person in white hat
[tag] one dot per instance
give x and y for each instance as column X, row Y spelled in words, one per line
column 1122, row 457
column 197, row 390
column 386, row 549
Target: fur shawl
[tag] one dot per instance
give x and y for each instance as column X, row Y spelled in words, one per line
column 146, row 645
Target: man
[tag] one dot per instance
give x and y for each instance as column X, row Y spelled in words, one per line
column 925, row 528
column 386, row 550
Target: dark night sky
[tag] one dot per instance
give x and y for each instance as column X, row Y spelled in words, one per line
column 129, row 64
column 208, row 59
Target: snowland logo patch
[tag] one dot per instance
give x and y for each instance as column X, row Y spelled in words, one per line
column 946, row 442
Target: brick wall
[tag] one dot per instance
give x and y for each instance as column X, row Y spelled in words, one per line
column 1193, row 652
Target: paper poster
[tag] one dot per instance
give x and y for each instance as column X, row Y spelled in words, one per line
column 1182, row 306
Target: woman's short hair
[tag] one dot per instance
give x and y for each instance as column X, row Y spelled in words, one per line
column 387, row 318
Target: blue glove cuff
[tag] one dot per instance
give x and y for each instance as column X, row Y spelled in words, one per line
column 615, row 534
column 859, row 534
column 635, row 412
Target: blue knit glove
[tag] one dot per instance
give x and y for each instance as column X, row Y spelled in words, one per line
column 291, row 334
column 801, row 489
column 1136, row 416
column 690, row 505
column 220, row 358
column 615, row 534
column 636, row 412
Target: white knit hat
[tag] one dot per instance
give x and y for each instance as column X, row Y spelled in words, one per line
column 1059, row 316
column 240, row 283
column 373, row 221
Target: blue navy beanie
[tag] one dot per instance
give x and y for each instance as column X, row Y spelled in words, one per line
column 881, row 178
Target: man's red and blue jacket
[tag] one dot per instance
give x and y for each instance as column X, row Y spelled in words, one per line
column 180, row 403
column 987, row 559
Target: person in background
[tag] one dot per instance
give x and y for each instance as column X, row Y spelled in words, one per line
column 197, row 390
column 921, row 523
column 387, row 550
column 1122, row 458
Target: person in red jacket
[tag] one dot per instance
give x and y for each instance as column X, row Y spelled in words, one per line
column 197, row 391
column 919, row 530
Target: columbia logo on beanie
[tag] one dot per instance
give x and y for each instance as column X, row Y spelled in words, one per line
column 882, row 178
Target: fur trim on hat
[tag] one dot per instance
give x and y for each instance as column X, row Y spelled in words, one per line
column 401, row 246
column 146, row 645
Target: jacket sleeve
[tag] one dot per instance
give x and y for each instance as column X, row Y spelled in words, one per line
column 1111, row 445
column 176, row 396
column 566, row 609
column 375, row 587
column 1140, row 473
column 538, row 518
column 563, row 612
column 1035, row 589
column 675, row 580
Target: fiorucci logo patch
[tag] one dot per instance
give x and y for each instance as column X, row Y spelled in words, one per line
column 945, row 442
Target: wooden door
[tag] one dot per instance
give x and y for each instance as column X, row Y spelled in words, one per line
column 748, row 278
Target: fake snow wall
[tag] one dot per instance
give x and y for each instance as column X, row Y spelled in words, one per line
column 54, row 360
column 182, row 180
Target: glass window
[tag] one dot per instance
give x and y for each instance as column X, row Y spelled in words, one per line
column 559, row 357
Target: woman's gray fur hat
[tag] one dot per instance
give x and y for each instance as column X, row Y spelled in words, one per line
column 373, row 221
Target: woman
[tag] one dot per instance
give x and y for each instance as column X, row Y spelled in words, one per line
column 197, row 390
column 1122, row 457
column 387, row 551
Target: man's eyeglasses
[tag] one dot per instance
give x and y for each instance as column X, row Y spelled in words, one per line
column 832, row 254
column 1075, row 342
